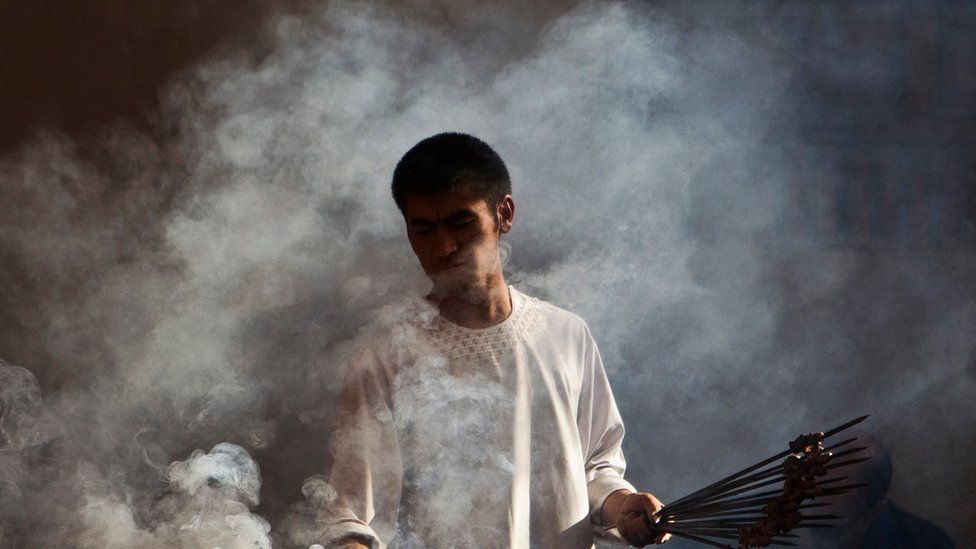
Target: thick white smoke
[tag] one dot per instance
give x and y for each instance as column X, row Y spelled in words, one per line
column 201, row 286
column 208, row 506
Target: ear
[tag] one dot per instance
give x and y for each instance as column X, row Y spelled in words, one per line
column 505, row 214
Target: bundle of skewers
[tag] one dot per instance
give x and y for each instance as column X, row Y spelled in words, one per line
column 761, row 504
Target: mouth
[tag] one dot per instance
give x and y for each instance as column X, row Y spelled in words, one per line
column 453, row 267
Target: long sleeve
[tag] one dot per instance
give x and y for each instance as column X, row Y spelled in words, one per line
column 366, row 471
column 601, row 434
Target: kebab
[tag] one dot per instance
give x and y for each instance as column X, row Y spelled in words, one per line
column 734, row 509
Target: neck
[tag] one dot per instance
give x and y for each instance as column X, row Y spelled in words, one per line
column 479, row 306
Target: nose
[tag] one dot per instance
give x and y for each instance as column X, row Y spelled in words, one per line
column 444, row 243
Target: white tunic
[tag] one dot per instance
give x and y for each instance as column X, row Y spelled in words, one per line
column 506, row 436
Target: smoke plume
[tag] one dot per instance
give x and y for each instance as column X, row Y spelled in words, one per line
column 199, row 284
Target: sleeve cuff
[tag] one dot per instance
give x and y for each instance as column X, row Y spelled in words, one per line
column 599, row 488
column 353, row 530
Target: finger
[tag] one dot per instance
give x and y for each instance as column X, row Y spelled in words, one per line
column 644, row 530
column 651, row 505
column 623, row 529
column 628, row 530
column 640, row 528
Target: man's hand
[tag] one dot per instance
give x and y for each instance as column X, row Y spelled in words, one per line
column 633, row 514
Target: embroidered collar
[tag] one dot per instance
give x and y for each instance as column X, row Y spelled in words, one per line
column 525, row 323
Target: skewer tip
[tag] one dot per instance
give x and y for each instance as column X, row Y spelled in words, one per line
column 847, row 425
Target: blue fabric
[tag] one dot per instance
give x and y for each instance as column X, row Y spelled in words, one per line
column 897, row 529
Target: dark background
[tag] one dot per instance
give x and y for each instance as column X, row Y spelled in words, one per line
column 897, row 113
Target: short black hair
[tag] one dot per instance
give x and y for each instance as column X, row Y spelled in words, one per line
column 448, row 159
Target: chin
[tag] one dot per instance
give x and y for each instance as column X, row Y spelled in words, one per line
column 453, row 286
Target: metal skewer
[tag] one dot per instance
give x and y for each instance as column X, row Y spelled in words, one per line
column 736, row 507
column 767, row 461
column 753, row 482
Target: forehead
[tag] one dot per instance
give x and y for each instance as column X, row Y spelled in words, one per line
column 444, row 203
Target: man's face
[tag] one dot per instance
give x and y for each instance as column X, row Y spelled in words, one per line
column 455, row 236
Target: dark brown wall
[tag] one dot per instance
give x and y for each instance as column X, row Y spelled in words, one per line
column 76, row 66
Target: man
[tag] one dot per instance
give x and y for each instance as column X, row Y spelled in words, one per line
column 479, row 416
